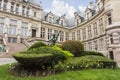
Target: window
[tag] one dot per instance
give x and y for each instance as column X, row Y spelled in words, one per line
column 16, row 10
column 84, row 33
column 109, row 19
column 101, row 26
column 24, row 29
column 95, row 29
column 12, row 40
column 62, row 36
column 0, row 3
column 12, row 7
column 95, row 45
column 77, row 21
column 5, row 6
column 1, row 27
column 23, row 10
column 35, row 14
column 42, row 33
column 78, row 35
column 90, row 45
column 61, row 23
column 67, row 36
column 111, row 39
column 119, row 37
column 27, row 12
column 89, row 32
column 101, row 44
column 49, row 33
column 73, row 35
column 12, row 27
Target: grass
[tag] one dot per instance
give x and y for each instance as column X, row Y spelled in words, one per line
column 91, row 74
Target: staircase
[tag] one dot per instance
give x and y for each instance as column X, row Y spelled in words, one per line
column 16, row 47
column 13, row 48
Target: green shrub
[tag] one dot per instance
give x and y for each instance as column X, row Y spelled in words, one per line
column 89, row 62
column 91, row 53
column 33, row 57
column 37, row 45
column 66, row 53
column 34, row 60
column 75, row 47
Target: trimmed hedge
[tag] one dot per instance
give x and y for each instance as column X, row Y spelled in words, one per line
column 91, row 61
column 75, row 47
column 37, row 45
column 91, row 53
column 34, row 60
column 39, row 57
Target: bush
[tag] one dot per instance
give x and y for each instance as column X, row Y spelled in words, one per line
column 66, row 53
column 39, row 57
column 89, row 62
column 75, row 47
column 37, row 45
column 91, row 53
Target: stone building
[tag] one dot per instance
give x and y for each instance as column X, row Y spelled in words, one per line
column 23, row 22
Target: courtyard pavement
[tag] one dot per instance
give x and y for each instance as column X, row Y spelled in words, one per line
column 6, row 61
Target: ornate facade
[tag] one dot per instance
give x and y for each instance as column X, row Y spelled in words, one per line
column 23, row 22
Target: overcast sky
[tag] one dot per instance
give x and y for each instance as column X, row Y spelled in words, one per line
column 68, row 7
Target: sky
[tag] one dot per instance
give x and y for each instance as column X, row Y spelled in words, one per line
column 68, row 7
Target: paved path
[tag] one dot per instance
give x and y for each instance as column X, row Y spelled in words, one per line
column 6, row 61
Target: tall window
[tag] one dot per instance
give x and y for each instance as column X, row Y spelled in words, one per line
column 73, row 35
column 95, row 45
column 5, row 5
column 12, row 7
column 42, row 33
column 111, row 39
column 1, row 27
column 61, row 22
column 23, row 10
column 1, row 24
column 78, row 35
column 16, row 9
column 12, row 27
column 62, row 36
column 109, row 19
column 90, row 45
column 49, row 33
column 24, row 29
column 27, row 12
column 35, row 13
column 67, row 36
column 119, row 37
column 84, row 33
column 89, row 32
column 95, row 29
column 101, row 26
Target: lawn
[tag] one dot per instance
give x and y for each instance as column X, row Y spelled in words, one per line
column 91, row 74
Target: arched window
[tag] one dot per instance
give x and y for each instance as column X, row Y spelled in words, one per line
column 111, row 39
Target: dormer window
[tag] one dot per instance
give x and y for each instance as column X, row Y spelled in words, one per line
column 35, row 14
column 61, row 22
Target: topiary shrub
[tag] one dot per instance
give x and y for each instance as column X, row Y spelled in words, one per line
column 75, row 47
column 89, row 62
column 85, row 53
column 40, row 57
column 37, row 45
column 66, row 53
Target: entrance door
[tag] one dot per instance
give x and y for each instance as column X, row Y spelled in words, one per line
column 33, row 33
column 111, row 55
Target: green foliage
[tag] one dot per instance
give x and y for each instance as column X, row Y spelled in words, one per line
column 91, row 53
column 37, row 45
column 66, row 53
column 75, row 47
column 42, row 57
column 89, row 62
